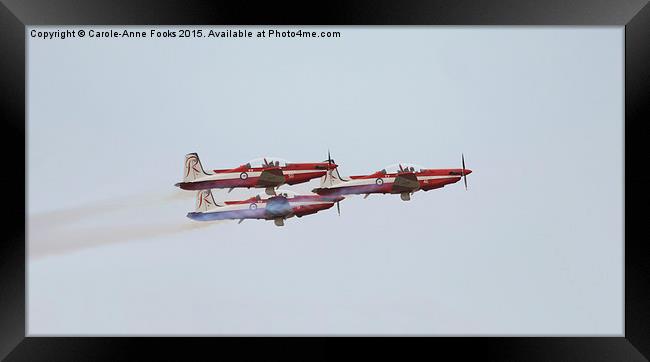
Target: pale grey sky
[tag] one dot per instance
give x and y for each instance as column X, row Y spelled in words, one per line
column 534, row 247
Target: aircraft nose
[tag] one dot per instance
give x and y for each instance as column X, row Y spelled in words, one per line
column 467, row 171
column 338, row 198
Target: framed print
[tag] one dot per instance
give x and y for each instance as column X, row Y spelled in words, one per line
column 470, row 173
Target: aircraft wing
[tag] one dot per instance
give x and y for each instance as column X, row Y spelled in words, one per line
column 407, row 182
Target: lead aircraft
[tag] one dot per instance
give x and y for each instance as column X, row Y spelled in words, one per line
column 405, row 180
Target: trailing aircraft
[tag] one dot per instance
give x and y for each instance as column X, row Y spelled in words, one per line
column 278, row 208
column 260, row 173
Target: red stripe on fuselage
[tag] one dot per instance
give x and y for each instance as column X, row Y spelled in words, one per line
column 318, row 166
column 385, row 188
column 290, row 178
column 297, row 198
column 452, row 172
column 219, row 184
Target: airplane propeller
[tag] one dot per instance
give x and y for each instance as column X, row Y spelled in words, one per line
column 338, row 208
column 463, row 173
column 329, row 160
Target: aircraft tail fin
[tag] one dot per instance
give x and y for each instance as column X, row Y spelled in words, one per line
column 331, row 178
column 205, row 201
column 193, row 169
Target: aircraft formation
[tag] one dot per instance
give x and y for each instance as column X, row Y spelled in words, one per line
column 279, row 205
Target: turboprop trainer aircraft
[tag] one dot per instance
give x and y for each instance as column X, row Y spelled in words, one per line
column 277, row 208
column 258, row 173
column 404, row 181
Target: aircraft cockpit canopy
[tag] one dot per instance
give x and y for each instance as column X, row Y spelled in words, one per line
column 403, row 167
column 268, row 161
column 284, row 193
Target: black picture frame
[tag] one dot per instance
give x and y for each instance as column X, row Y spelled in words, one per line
column 15, row 15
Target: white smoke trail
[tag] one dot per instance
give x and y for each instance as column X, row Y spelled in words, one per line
column 57, row 218
column 43, row 242
column 62, row 231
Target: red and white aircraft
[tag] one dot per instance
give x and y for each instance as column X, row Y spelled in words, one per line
column 270, row 174
column 404, row 181
column 276, row 208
